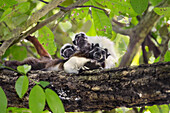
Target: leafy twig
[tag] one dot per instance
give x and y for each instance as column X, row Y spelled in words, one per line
column 44, row 1
column 70, row 8
column 50, row 19
column 33, row 19
column 138, row 34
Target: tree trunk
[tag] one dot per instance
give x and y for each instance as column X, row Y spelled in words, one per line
column 139, row 33
column 99, row 89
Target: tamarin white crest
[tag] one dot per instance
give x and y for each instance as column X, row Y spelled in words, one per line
column 91, row 53
column 84, row 54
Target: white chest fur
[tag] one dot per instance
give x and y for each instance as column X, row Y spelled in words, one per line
column 74, row 64
column 55, row 68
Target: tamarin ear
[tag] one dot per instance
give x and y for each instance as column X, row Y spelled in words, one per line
column 96, row 45
column 67, row 50
column 106, row 50
column 74, row 42
column 107, row 54
column 92, row 46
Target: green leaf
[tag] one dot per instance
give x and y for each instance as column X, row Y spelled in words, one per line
column 44, row 83
column 164, row 108
column 79, row 14
column 162, row 11
column 121, row 43
column 17, row 20
column 18, row 110
column 6, row 14
column 1, row 12
column 46, row 38
column 54, row 101
column 167, row 56
column 134, row 21
column 18, row 52
column 153, row 109
column 37, row 99
column 119, row 7
column 157, row 59
column 21, row 86
column 102, row 23
column 4, row 4
column 15, row 11
column 92, row 31
column 66, row 3
column 24, row 68
column 65, row 26
column 86, row 26
column 155, row 2
column 3, row 101
column 5, row 32
column 139, row 5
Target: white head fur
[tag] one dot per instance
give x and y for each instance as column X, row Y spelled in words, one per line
column 64, row 49
column 104, row 42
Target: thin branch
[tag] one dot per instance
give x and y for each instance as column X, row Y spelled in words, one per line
column 70, row 8
column 43, row 23
column 7, row 26
column 44, row 1
column 29, row 50
column 118, row 23
column 145, row 59
column 141, row 109
column 120, row 30
column 60, row 14
column 34, row 19
column 139, row 33
column 164, row 47
column 135, row 110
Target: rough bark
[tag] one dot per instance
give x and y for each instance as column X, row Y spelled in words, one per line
column 99, row 89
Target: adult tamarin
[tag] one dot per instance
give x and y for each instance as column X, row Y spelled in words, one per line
column 82, row 55
column 88, row 55
column 82, row 41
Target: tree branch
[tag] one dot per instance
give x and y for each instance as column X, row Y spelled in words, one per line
column 139, row 33
column 33, row 19
column 50, row 19
column 118, row 29
column 99, row 89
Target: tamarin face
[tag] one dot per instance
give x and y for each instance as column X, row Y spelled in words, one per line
column 99, row 54
column 80, row 39
column 67, row 50
column 81, row 42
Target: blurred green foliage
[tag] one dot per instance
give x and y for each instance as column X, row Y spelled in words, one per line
column 93, row 21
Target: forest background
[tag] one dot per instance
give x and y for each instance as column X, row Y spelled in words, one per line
column 139, row 29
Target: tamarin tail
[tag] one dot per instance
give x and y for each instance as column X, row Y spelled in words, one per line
column 40, row 49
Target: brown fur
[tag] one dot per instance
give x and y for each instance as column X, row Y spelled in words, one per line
column 55, row 62
column 40, row 49
column 36, row 64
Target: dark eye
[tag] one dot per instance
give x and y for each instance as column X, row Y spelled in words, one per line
column 96, row 49
column 103, row 52
column 82, row 34
column 96, row 45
